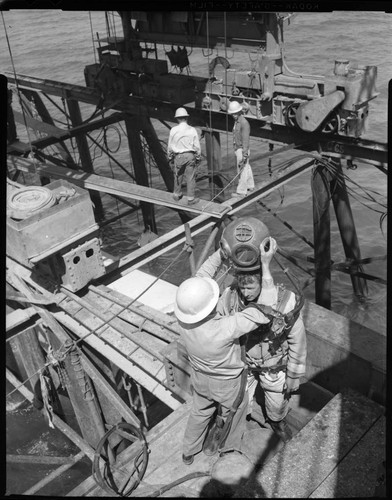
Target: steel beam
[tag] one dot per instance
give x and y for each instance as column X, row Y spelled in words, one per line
column 333, row 145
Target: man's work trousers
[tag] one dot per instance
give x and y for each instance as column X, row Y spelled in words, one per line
column 185, row 165
column 276, row 406
column 245, row 180
column 208, row 391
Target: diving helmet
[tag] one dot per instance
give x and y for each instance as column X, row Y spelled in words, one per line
column 241, row 241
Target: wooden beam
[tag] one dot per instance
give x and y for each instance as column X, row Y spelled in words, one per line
column 107, row 390
column 348, row 233
column 322, row 236
column 38, row 459
column 54, row 475
column 121, row 360
column 62, row 426
column 119, row 188
column 84, row 152
column 175, row 237
column 133, row 127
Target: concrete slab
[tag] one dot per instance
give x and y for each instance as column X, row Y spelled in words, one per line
column 160, row 296
column 316, row 451
column 357, row 473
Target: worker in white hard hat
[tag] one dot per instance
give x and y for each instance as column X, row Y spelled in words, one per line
column 184, row 154
column 276, row 354
column 218, row 374
column 241, row 136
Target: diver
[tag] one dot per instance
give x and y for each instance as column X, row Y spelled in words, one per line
column 275, row 353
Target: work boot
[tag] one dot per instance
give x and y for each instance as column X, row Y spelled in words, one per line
column 238, row 195
column 211, row 443
column 177, row 197
column 193, row 201
column 187, row 459
column 281, row 429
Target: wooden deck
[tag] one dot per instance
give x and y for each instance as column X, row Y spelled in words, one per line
column 345, row 433
column 165, row 443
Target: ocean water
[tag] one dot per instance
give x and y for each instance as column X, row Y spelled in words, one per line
column 58, row 45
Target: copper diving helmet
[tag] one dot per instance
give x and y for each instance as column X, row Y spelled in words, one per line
column 241, row 241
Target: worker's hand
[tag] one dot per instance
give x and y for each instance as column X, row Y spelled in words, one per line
column 198, row 159
column 291, row 385
column 244, row 159
column 267, row 249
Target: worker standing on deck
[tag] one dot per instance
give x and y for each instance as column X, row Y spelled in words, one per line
column 241, row 136
column 275, row 353
column 184, row 154
column 218, row 374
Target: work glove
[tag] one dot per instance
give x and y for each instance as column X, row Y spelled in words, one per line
column 291, row 385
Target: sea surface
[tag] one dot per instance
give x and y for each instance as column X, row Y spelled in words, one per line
column 58, row 45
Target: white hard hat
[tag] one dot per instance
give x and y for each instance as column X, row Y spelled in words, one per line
column 195, row 299
column 234, row 107
column 181, row 112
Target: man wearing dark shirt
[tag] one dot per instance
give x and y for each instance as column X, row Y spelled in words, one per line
column 241, row 134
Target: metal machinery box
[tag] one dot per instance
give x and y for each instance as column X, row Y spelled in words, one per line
column 178, row 89
column 51, row 230
column 90, row 72
column 144, row 65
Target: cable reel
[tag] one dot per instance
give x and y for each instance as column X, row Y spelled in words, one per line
column 104, row 476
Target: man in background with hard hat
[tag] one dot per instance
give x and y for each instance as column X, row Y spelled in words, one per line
column 218, row 374
column 275, row 353
column 241, row 136
column 184, row 155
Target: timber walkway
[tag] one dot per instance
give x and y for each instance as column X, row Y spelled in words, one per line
column 337, row 446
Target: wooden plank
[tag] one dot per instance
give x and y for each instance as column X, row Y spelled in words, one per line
column 177, row 236
column 93, row 318
column 89, row 486
column 139, row 323
column 115, row 349
column 144, row 310
column 122, row 188
column 38, row 459
column 110, row 394
column 18, row 147
column 54, row 475
column 62, row 426
column 19, row 317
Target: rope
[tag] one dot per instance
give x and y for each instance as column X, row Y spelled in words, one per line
column 286, row 224
column 92, row 36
